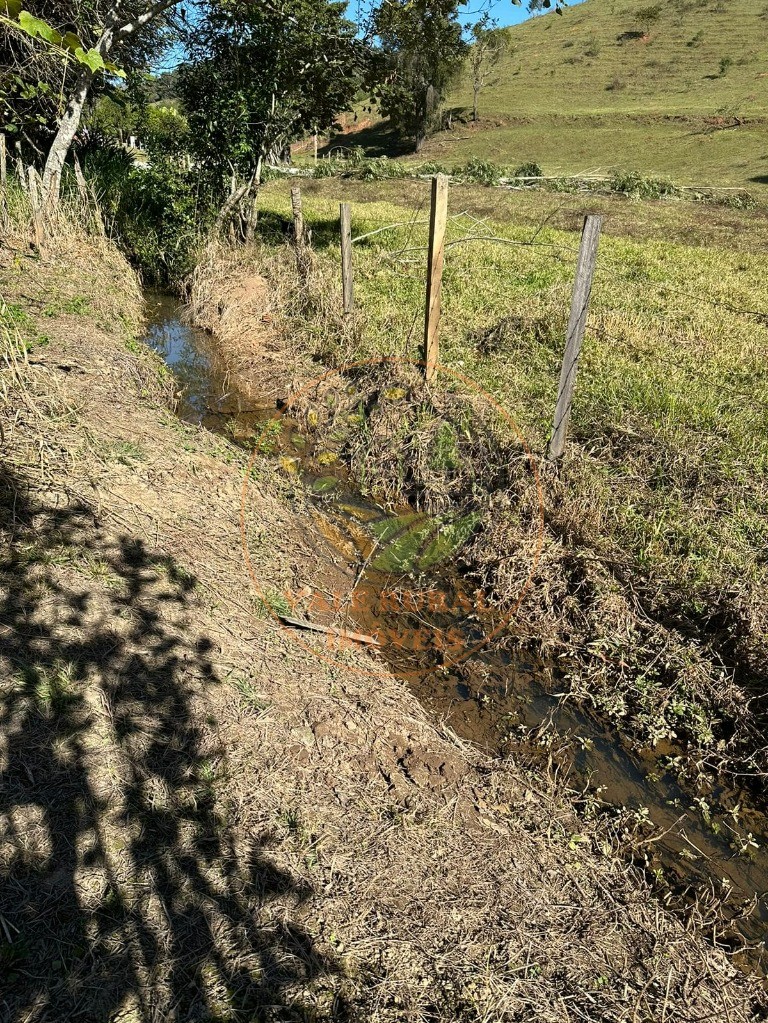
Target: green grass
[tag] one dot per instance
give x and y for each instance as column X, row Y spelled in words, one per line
column 549, row 67
column 20, row 328
column 579, row 92
column 668, row 461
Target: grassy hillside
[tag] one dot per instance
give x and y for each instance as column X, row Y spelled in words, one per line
column 591, row 90
column 597, row 58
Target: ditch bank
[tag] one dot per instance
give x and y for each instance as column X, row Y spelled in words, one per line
column 694, row 831
column 200, row 819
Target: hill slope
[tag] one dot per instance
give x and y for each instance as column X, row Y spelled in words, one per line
column 688, row 99
column 598, row 58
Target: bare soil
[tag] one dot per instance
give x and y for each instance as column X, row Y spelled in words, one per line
column 199, row 819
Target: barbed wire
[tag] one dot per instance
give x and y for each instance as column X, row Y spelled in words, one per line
column 604, row 267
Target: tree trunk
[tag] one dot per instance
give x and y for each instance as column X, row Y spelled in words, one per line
column 476, row 93
column 68, row 125
column 70, row 121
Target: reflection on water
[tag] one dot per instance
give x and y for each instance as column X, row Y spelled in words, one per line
column 187, row 351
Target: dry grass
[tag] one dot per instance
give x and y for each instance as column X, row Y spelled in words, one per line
column 242, row 296
column 316, row 851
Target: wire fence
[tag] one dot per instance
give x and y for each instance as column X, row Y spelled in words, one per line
column 465, row 229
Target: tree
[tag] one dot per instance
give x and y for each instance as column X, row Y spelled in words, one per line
column 488, row 46
column 420, row 53
column 35, row 59
column 123, row 21
column 81, row 38
column 261, row 76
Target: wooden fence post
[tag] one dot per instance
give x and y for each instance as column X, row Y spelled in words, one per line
column 36, row 201
column 437, row 223
column 347, row 280
column 298, row 216
column 4, row 220
column 577, row 322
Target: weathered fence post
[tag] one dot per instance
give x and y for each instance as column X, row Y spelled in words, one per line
column 437, row 223
column 298, row 216
column 4, row 220
column 347, row 281
column 36, row 201
column 577, row 322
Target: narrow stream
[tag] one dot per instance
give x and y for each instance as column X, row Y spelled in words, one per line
column 712, row 844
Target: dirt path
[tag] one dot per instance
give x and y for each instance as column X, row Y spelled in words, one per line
column 200, row 820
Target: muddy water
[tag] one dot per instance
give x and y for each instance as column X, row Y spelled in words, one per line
column 709, row 843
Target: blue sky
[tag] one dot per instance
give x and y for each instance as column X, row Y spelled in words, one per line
column 503, row 11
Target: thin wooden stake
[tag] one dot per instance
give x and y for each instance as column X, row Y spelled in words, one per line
column 347, row 280
column 437, row 222
column 298, row 216
column 582, row 289
column 4, row 220
column 36, row 202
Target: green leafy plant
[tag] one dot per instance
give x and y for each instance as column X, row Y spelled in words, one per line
column 156, row 212
column 528, row 170
column 13, row 16
column 637, row 186
column 481, row 172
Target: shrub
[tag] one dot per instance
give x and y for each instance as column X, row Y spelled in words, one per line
column 481, row 172
column 356, row 156
column 165, row 132
column 616, row 85
column 593, row 48
column 155, row 211
column 633, row 183
column 380, row 168
column 326, row 169
column 432, row 167
column 648, row 16
column 725, row 64
column 528, row 170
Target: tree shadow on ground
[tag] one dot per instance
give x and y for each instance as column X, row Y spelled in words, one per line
column 378, row 139
column 124, row 891
column 275, row 228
